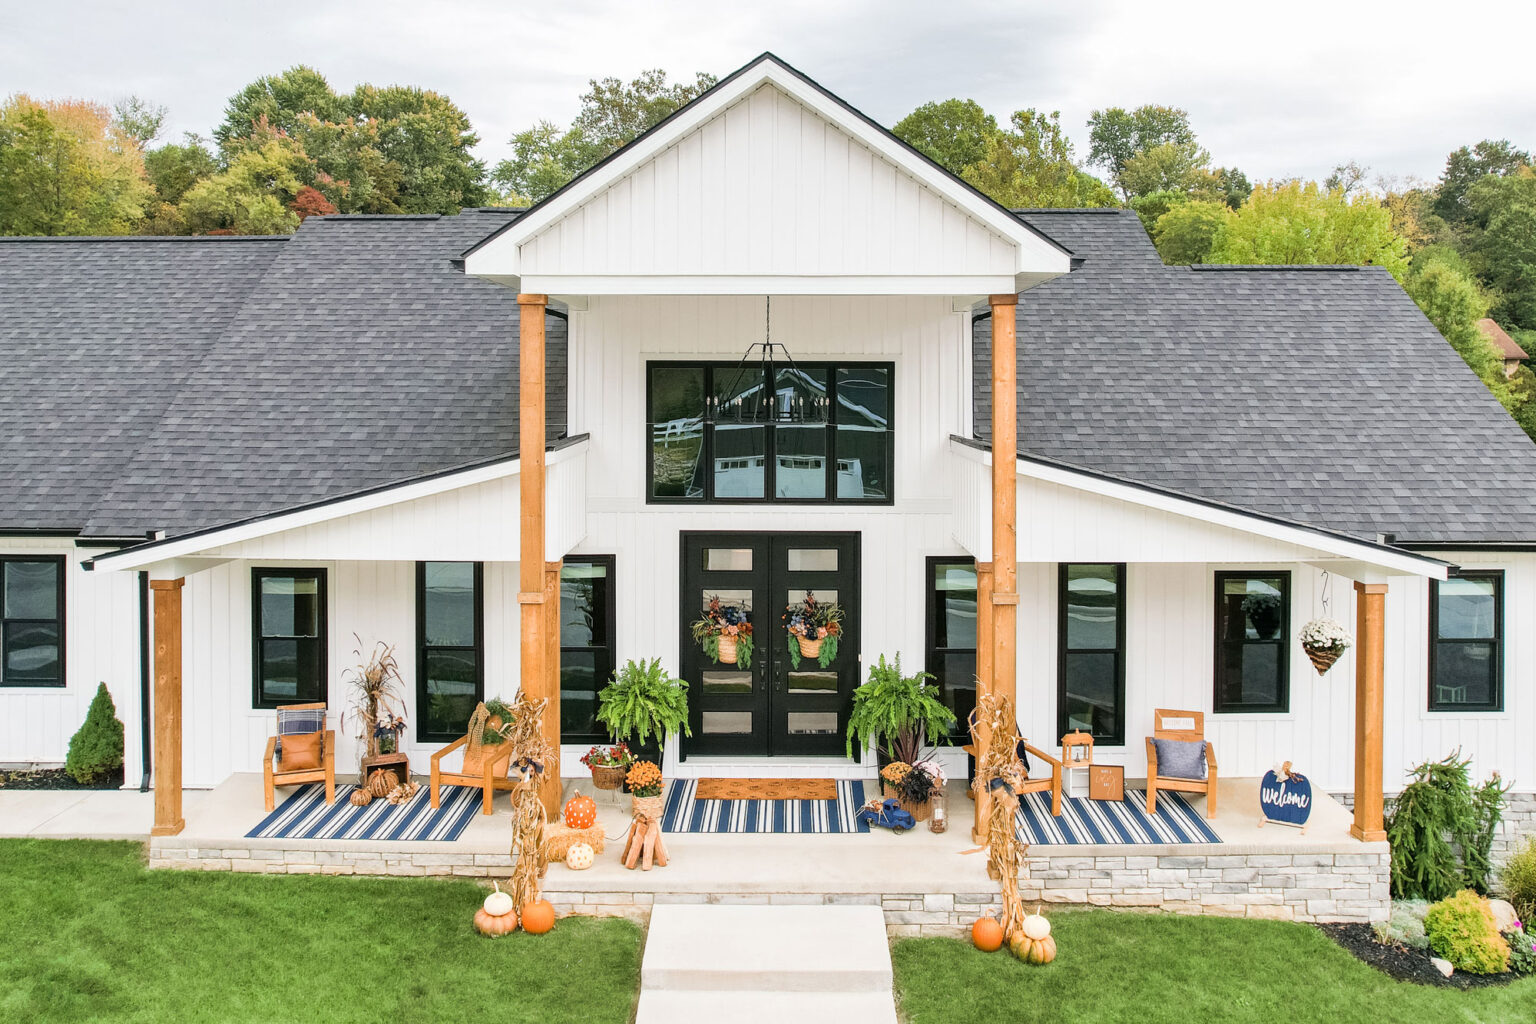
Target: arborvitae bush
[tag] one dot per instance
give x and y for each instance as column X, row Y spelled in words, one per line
column 96, row 751
column 1441, row 830
column 1462, row 930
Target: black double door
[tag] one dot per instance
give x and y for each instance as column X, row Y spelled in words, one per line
column 771, row 706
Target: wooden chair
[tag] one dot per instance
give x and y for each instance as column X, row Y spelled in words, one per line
column 1048, row 784
column 1196, row 734
column 326, row 773
column 491, row 777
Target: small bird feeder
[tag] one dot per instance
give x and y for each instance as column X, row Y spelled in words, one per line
column 1077, row 749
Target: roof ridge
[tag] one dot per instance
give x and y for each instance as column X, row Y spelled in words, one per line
column 1036, row 210
column 143, row 238
column 1305, row 267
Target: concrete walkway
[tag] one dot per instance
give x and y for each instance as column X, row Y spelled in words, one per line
column 77, row 813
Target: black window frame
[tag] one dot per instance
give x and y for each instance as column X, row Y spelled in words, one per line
column 1497, row 704
column 610, row 610
column 706, row 454
column 1116, row 739
column 1283, row 705
column 60, row 608
column 259, row 573
column 423, row 648
column 932, row 652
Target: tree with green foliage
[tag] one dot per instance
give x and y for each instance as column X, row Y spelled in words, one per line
column 953, row 133
column 1295, row 222
column 1500, row 242
column 253, row 196
column 67, row 169
column 176, row 166
column 278, row 101
column 138, row 119
column 1116, row 136
column 1186, row 232
column 1031, row 166
column 1171, row 167
column 1469, row 165
column 96, row 750
column 545, row 157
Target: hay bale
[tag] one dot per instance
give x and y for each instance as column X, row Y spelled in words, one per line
column 558, row 839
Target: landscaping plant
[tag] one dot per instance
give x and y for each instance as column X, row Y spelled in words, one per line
column 1517, row 880
column 1461, row 929
column 1522, row 949
column 1441, row 830
column 643, row 700
column 1405, row 927
column 900, row 712
column 96, row 751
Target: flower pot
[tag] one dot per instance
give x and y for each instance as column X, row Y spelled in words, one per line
column 727, row 650
column 651, row 806
column 608, row 776
column 919, row 812
column 1323, row 657
column 810, row 648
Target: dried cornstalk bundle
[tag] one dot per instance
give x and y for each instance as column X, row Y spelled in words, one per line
column 1000, row 774
column 530, row 751
column 528, row 852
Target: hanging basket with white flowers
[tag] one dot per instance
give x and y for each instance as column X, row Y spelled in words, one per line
column 1325, row 642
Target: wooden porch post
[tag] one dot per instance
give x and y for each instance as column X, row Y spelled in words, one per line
column 983, row 686
column 530, row 559
column 167, row 707
column 1005, row 446
column 552, row 665
column 1370, row 648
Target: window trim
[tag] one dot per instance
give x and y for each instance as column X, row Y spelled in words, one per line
column 1497, row 704
column 61, row 607
column 259, row 573
column 1283, row 706
column 710, row 367
column 610, row 612
column 422, row 648
column 931, row 649
column 1119, row 651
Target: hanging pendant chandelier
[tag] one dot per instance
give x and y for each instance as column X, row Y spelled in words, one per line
column 755, row 394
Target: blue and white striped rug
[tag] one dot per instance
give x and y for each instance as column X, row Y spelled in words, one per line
column 304, row 815
column 1085, row 822
column 685, row 813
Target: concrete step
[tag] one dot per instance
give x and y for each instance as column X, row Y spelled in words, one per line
column 748, row 1007
column 780, row 949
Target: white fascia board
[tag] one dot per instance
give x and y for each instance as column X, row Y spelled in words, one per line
column 777, row 284
column 1390, row 559
column 498, row 259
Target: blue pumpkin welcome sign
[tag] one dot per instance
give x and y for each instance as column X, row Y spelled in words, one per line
column 1285, row 798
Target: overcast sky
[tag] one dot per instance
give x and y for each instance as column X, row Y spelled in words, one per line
column 1279, row 90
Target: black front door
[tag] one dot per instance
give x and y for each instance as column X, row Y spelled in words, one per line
column 770, row 705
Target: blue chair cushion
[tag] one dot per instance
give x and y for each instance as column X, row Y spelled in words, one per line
column 1180, row 759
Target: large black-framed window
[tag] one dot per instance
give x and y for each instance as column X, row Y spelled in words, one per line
column 450, row 647
column 32, row 620
column 1253, row 646
column 1466, row 641
column 1090, row 645
column 288, row 613
column 951, row 632
column 818, row 433
column 586, row 644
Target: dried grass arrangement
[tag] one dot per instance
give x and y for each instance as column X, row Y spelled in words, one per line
column 377, row 695
column 1000, row 773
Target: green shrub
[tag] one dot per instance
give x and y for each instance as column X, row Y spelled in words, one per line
column 1441, row 830
column 96, row 751
column 1406, row 925
column 1517, row 881
column 1461, row 929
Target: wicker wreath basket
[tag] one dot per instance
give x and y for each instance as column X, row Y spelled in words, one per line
column 608, row 776
column 810, row 648
column 919, row 812
column 727, row 650
column 1322, row 658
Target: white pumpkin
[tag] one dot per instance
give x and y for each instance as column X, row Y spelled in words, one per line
column 1036, row 927
column 498, row 903
column 579, row 857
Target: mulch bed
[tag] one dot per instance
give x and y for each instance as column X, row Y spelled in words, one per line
column 1406, row 964
column 54, row 778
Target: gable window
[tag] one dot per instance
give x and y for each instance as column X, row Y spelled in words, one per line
column 450, row 656
column 586, row 644
column 288, row 609
column 1466, row 642
column 1090, row 662
column 951, row 654
column 1253, row 623
column 815, row 432
column 31, row 620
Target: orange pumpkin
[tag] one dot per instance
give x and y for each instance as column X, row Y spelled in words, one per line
column 538, row 917
column 987, row 934
column 580, row 811
column 494, row 925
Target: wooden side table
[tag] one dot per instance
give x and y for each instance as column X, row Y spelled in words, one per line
column 396, row 762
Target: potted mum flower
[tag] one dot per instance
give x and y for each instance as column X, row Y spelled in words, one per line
column 1325, row 641
column 724, row 634
column 645, row 786
column 608, row 765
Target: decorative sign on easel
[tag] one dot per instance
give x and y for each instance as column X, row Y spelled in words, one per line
column 1285, row 798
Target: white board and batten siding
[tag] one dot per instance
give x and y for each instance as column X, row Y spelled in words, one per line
column 101, row 645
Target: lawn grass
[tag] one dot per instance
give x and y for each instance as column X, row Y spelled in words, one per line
column 91, row 934
column 1153, row 968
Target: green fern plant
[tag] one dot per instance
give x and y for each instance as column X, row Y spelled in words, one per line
column 643, row 700
column 899, row 711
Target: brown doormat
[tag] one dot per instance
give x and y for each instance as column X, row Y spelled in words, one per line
column 766, row 789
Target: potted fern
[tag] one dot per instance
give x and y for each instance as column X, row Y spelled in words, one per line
column 901, row 714
column 643, row 700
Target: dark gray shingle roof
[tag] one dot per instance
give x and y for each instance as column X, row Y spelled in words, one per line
column 96, row 336
column 1321, row 395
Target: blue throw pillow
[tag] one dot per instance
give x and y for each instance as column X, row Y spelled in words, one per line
column 1180, row 759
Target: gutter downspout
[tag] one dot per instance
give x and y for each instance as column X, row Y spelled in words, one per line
column 145, row 744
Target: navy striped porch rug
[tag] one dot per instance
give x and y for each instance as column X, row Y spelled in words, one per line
column 1122, row 822
column 304, row 815
column 686, row 813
